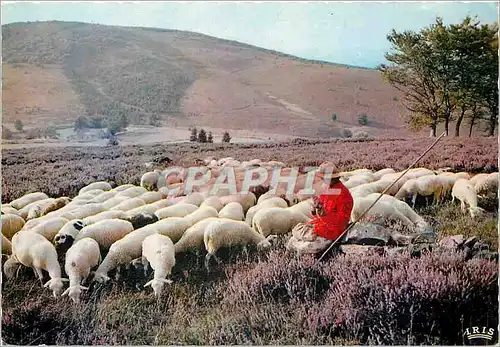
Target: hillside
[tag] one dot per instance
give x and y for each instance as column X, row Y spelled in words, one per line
column 56, row 71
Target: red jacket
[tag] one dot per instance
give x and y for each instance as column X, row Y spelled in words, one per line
column 337, row 202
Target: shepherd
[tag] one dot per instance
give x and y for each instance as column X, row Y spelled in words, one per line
column 331, row 211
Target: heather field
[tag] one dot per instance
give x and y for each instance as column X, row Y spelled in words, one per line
column 265, row 296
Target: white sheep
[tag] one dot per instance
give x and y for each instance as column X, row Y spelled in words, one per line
column 49, row 227
column 40, row 209
column 114, row 201
column 464, row 191
column 106, row 232
column 177, row 210
column 132, row 192
column 129, row 204
column 26, row 209
column 35, row 251
column 11, row 224
column 474, row 179
column 102, row 185
column 428, row 185
column 82, row 256
column 84, row 211
column 123, row 187
column 67, row 234
column 112, row 214
column 195, row 198
column 303, row 207
column 246, row 200
column 162, row 203
column 7, row 209
column 192, row 238
column 173, row 227
column 227, row 232
column 158, row 250
column 356, row 180
column 381, row 208
column 149, row 180
column 487, row 184
column 104, row 196
column 232, row 210
column 151, row 197
column 378, row 174
column 6, row 246
column 148, row 208
column 123, row 252
column 27, row 199
column 213, row 201
column 275, row 220
column 89, row 194
column 200, row 214
column 273, row 201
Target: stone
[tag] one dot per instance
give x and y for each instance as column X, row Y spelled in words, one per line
column 366, row 233
column 400, row 239
column 361, row 249
column 395, row 250
column 424, row 237
column 452, row 242
column 486, row 254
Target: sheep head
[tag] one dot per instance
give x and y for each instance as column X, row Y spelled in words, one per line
column 100, row 277
column 10, row 267
column 158, row 284
column 56, row 285
column 74, row 292
column 264, row 244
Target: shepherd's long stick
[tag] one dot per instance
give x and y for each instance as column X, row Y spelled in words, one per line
column 380, row 196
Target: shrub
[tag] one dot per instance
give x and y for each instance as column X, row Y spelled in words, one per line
column 363, row 119
column 210, row 137
column 18, row 125
column 194, row 135
column 51, row 133
column 334, row 116
column 226, row 137
column 202, row 136
column 347, row 133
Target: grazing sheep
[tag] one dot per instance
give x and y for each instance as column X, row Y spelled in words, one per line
column 227, row 232
column 177, row 210
column 67, row 234
column 384, row 209
column 114, row 201
column 151, row 197
column 123, row 187
column 104, row 196
column 132, row 192
column 11, row 224
column 233, row 210
column 84, row 211
column 106, row 232
column 464, row 191
column 149, row 180
column 55, row 205
column 355, row 181
column 378, row 174
column 49, row 227
column 423, row 185
column 24, row 212
column 173, row 227
column 213, row 201
column 303, row 207
column 112, row 214
column 159, row 251
column 102, row 185
column 192, row 238
column 123, row 252
column 28, row 199
column 161, row 204
column 35, row 251
column 266, row 203
column 129, row 204
column 200, row 214
column 487, row 184
column 82, row 256
column 246, row 200
column 6, row 246
column 195, row 198
column 473, row 180
column 141, row 219
column 276, row 220
column 7, row 209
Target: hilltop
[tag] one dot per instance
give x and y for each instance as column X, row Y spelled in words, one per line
column 54, row 72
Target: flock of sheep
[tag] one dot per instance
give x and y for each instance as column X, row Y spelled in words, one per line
column 150, row 225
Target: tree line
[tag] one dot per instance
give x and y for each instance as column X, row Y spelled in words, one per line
column 446, row 73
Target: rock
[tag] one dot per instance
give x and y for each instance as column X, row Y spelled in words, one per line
column 452, row 242
column 471, row 241
column 424, row 237
column 400, row 239
column 361, row 249
column 486, row 254
column 416, row 250
column 395, row 250
column 366, row 233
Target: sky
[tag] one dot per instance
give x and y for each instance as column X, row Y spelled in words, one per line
column 346, row 33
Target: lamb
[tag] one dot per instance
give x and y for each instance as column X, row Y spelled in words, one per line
column 487, row 184
column 106, row 232
column 192, row 238
column 246, row 200
column 213, row 201
column 151, row 197
column 132, row 192
column 149, row 180
column 35, row 251
column 49, row 227
column 225, row 233
column 178, row 210
column 464, row 191
column 275, row 220
column 27, row 199
column 123, row 251
column 129, row 204
column 385, row 209
column 112, row 214
column 6, row 246
column 266, row 203
column 11, row 224
column 67, row 234
column 102, row 185
column 200, row 214
column 159, row 251
column 232, row 210
column 80, row 258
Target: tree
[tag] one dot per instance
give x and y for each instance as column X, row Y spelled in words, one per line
column 18, row 125
column 334, row 117
column 226, row 137
column 194, row 135
column 210, row 138
column 363, row 119
column 81, row 123
column 202, row 136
